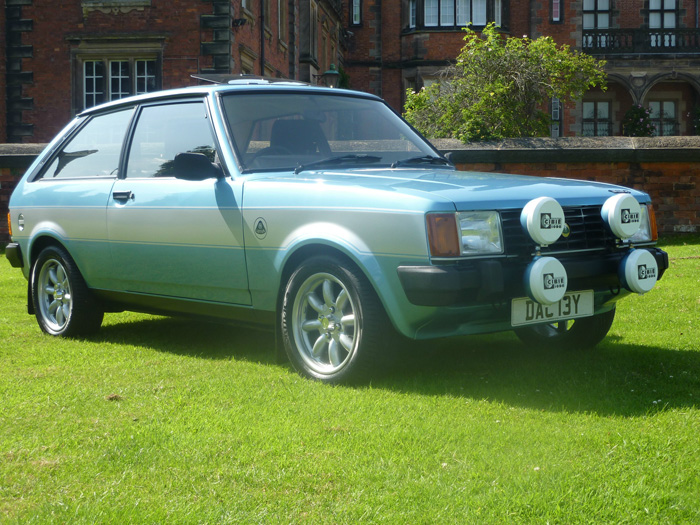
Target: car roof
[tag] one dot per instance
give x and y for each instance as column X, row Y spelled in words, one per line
column 243, row 83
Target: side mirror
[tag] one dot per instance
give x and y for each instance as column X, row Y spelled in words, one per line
column 196, row 166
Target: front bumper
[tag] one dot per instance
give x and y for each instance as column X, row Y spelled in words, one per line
column 493, row 280
column 14, row 254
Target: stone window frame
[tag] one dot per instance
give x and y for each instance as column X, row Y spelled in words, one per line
column 125, row 49
column 248, row 59
column 114, row 6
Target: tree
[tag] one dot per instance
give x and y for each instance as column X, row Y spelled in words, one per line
column 498, row 87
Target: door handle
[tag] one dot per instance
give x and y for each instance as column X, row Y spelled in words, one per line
column 122, row 195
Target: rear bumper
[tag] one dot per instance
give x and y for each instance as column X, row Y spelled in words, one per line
column 14, row 254
column 492, row 280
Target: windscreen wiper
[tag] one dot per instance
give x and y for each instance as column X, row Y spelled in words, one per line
column 358, row 158
column 422, row 159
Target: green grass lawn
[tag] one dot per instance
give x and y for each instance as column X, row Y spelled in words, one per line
column 164, row 420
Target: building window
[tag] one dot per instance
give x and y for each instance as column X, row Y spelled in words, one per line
column 313, row 30
column 596, row 16
column 596, row 119
column 110, row 79
column 662, row 16
column 282, row 20
column 145, row 76
column 412, row 13
column 356, row 12
column 456, row 13
column 663, row 117
column 556, row 118
column 266, row 13
column 430, row 13
column 556, row 10
column 93, row 83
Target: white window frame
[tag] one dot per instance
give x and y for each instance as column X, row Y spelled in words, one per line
column 457, row 13
column 356, row 12
column 114, row 84
column 556, row 10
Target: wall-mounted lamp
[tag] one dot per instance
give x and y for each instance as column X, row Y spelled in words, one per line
column 330, row 78
column 238, row 22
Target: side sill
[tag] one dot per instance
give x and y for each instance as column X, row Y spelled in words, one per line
column 161, row 305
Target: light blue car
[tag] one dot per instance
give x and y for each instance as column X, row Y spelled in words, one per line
column 320, row 213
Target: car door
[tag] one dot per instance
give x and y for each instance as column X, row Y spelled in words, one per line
column 170, row 236
column 67, row 198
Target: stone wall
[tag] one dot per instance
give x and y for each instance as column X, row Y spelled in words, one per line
column 668, row 168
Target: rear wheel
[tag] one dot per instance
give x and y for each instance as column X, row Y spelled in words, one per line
column 62, row 301
column 332, row 321
column 574, row 334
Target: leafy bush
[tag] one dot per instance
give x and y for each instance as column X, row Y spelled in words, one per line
column 498, row 87
column 637, row 122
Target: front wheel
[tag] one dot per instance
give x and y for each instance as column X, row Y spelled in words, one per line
column 332, row 321
column 62, row 301
column 574, row 334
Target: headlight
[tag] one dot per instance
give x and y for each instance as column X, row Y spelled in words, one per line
column 480, row 232
column 466, row 233
column 647, row 226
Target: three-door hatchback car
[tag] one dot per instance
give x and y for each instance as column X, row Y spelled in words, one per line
column 319, row 212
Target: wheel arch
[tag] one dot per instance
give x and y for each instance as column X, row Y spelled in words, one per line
column 305, row 252
column 367, row 265
column 41, row 242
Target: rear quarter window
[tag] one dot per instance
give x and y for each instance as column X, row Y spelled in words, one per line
column 94, row 151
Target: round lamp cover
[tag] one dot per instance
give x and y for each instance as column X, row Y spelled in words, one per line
column 622, row 213
column 546, row 280
column 638, row 271
column 543, row 220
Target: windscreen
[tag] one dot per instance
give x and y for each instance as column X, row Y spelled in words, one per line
column 280, row 130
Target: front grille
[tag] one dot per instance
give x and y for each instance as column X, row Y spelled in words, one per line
column 588, row 232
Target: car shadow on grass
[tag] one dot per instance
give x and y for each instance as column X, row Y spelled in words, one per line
column 614, row 378
column 184, row 336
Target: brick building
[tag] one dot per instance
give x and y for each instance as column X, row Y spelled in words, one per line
column 652, row 49
column 57, row 58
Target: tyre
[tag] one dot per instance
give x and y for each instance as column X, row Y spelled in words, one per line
column 333, row 322
column 575, row 334
column 63, row 304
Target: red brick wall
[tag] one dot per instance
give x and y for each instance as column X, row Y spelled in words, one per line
column 51, row 64
column 176, row 21
column 3, row 93
column 566, row 31
column 628, row 14
column 673, row 186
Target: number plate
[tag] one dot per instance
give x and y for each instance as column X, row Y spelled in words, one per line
column 525, row 311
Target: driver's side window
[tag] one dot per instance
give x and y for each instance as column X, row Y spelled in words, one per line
column 165, row 130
